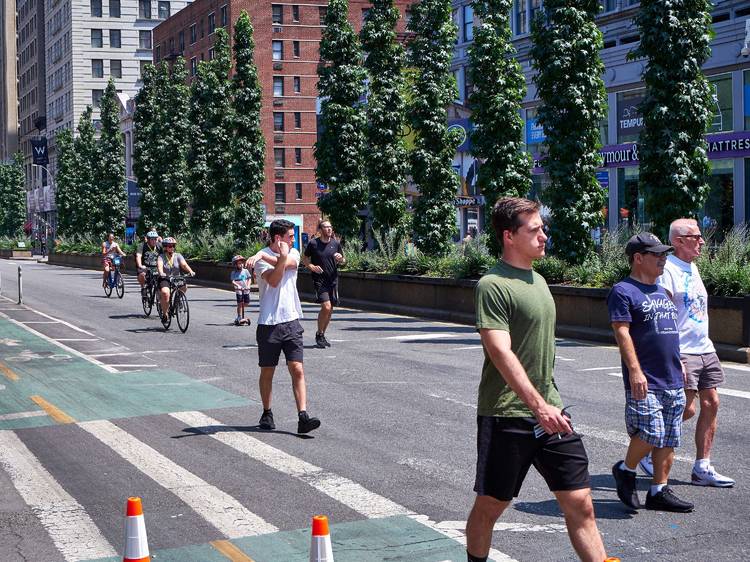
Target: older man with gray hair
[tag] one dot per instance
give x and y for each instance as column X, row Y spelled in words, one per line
column 683, row 283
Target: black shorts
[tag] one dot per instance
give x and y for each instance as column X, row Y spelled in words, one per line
column 326, row 292
column 273, row 339
column 506, row 448
column 242, row 298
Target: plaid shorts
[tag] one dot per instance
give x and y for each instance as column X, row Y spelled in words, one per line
column 658, row 418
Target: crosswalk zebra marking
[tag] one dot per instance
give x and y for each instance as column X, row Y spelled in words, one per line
column 217, row 507
column 69, row 526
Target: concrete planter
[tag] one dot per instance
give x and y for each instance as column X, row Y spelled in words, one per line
column 10, row 254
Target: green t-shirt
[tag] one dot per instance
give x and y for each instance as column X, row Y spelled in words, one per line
column 517, row 301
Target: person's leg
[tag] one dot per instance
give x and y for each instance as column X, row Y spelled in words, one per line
column 705, row 429
column 105, row 274
column 324, row 316
column 637, row 449
column 578, row 509
column 482, row 518
column 164, row 296
column 689, row 404
column 265, row 384
column 142, row 279
column 663, row 459
column 298, row 384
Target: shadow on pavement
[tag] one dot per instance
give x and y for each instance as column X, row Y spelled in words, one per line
column 212, row 429
column 126, row 316
column 605, row 509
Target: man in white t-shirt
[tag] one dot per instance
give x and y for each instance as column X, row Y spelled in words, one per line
column 683, row 283
column 278, row 326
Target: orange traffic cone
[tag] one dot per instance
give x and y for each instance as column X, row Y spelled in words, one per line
column 136, row 542
column 320, row 546
column 612, row 559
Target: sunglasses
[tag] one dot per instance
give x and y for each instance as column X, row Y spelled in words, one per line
column 658, row 254
column 692, row 236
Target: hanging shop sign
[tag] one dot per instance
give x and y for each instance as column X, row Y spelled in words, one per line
column 469, row 201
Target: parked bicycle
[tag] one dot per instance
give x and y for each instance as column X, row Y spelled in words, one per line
column 114, row 279
column 148, row 294
column 178, row 305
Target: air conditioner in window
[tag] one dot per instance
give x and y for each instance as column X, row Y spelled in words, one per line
column 277, row 29
column 278, row 66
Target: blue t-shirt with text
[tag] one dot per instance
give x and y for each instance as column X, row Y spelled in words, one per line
column 653, row 327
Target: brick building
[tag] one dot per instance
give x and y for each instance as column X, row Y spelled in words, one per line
column 287, row 36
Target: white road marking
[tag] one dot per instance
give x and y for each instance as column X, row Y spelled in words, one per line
column 337, row 487
column 65, row 520
column 467, row 347
column 379, row 382
column 133, row 353
column 511, row 527
column 77, row 339
column 598, row 369
column 22, row 415
column 61, row 345
column 413, row 337
column 724, row 391
column 39, row 322
column 218, row 508
column 736, row 367
column 68, row 324
column 120, row 365
column 561, row 358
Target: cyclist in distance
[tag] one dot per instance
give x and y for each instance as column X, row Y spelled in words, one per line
column 110, row 248
column 168, row 264
column 146, row 257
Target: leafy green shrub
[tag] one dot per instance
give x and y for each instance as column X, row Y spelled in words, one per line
column 553, row 269
column 11, row 242
column 476, row 259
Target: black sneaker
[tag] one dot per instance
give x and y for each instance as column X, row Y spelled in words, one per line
column 266, row 420
column 626, row 489
column 325, row 341
column 306, row 424
column 667, row 501
column 320, row 341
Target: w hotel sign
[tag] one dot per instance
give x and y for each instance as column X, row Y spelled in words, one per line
column 39, row 154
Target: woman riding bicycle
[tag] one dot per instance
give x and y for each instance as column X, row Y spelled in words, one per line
column 110, row 249
column 146, row 257
column 169, row 264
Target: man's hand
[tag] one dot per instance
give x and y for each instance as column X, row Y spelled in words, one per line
column 283, row 248
column 552, row 420
column 338, row 257
column 315, row 268
column 638, row 385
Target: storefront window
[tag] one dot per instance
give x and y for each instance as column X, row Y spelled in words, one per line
column 630, row 203
column 721, row 89
column 746, row 100
column 629, row 118
column 534, row 133
column 717, row 215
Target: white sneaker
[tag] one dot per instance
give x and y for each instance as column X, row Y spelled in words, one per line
column 647, row 465
column 710, row 477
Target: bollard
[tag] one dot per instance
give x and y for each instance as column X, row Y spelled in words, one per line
column 20, row 287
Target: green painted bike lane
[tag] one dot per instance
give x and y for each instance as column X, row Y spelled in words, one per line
column 31, row 366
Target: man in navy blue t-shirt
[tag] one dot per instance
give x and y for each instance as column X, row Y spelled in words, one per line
column 644, row 320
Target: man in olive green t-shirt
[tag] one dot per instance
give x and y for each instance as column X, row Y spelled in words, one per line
column 519, row 416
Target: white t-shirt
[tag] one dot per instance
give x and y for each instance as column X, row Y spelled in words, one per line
column 281, row 303
column 689, row 295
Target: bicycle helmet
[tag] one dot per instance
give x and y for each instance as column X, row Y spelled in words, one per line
column 152, row 234
column 169, row 240
column 238, row 257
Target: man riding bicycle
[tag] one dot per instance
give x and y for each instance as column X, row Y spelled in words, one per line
column 146, row 257
column 110, row 249
column 170, row 263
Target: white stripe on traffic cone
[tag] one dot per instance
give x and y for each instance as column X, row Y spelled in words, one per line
column 320, row 546
column 136, row 542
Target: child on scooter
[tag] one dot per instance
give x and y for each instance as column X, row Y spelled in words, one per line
column 241, row 279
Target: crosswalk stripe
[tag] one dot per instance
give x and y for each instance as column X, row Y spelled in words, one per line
column 65, row 520
column 217, row 507
column 341, row 489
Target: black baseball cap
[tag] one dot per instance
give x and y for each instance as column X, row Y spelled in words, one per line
column 645, row 242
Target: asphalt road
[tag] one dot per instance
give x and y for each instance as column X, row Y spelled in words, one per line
column 173, row 418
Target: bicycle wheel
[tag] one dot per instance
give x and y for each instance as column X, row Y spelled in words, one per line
column 182, row 311
column 108, row 285
column 165, row 320
column 147, row 299
column 119, row 284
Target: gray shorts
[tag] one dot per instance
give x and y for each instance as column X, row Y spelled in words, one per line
column 273, row 339
column 703, row 371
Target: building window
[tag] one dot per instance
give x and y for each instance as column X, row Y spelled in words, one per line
column 609, row 5
column 298, row 155
column 115, row 38
column 165, row 9
column 193, row 34
column 144, row 9
column 115, row 68
column 365, row 13
column 278, row 86
column 171, row 45
column 211, row 54
column 746, row 98
column 278, row 121
column 181, row 41
column 277, row 48
column 96, row 8
column 193, row 66
column 519, row 13
column 143, row 64
column 277, row 13
column 224, row 16
column 279, row 158
column 280, row 192
column 96, row 38
column 96, row 97
column 629, row 118
column 211, row 22
column 536, row 5
column 322, row 11
column 298, row 190
column 144, row 39
column 295, row 13
column 297, row 120
column 717, row 213
column 97, row 68
column 721, row 103
column 157, row 53
column 295, row 49
column 458, row 75
column 297, row 85
column 468, row 23
column 114, row 8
